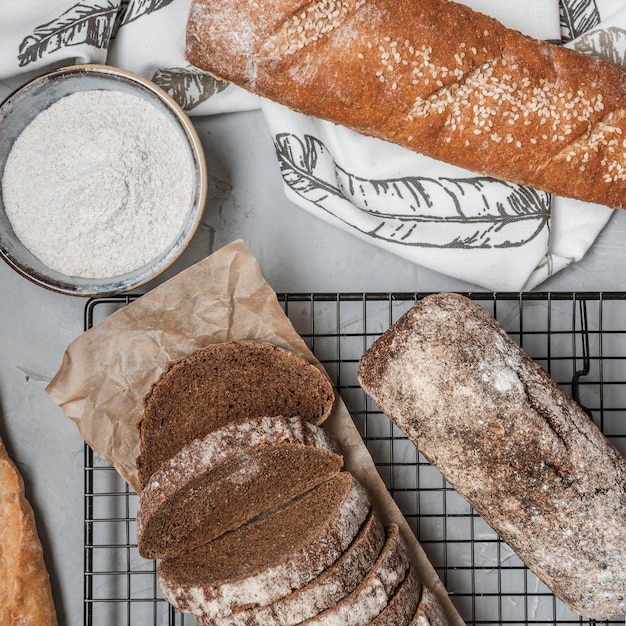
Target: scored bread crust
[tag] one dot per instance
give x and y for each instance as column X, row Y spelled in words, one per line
column 224, row 382
column 25, row 593
column 323, row 592
column 511, row 442
column 206, row 600
column 433, row 76
column 176, row 482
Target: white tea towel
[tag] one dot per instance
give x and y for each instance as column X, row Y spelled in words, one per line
column 538, row 18
column 431, row 213
column 493, row 234
column 143, row 36
column 490, row 233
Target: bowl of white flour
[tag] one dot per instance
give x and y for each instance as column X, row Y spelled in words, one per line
column 103, row 180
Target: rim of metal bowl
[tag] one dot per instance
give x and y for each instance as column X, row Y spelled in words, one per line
column 88, row 287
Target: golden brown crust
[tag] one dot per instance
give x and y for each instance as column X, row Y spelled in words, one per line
column 25, row 594
column 433, row 76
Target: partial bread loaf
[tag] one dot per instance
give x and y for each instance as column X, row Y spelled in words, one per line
column 432, row 76
column 503, row 434
column 235, row 473
column 269, row 557
column 221, row 383
column 25, row 594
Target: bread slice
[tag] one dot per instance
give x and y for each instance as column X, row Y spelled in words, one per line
column 221, row 383
column 371, row 597
column 329, row 588
column 269, row 557
column 233, row 474
column 25, row 593
column 402, row 607
column 429, row 611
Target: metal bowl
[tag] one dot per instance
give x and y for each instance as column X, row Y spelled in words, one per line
column 22, row 106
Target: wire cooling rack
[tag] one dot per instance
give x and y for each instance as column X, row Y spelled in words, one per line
column 580, row 338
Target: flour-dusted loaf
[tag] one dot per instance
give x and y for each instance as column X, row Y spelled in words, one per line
column 25, row 593
column 433, row 76
column 221, row 383
column 324, row 591
column 269, row 557
column 506, row 437
column 235, row 473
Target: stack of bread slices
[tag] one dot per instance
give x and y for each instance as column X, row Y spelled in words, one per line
column 246, row 503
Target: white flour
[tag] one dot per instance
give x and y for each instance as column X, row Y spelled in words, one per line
column 98, row 184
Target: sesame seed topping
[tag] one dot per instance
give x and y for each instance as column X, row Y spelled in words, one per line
column 306, row 27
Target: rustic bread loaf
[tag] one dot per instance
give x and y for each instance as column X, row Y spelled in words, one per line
column 504, row 435
column 269, row 557
column 324, row 591
column 233, row 474
column 223, row 382
column 25, row 593
column 429, row 611
column 433, row 76
column 372, row 596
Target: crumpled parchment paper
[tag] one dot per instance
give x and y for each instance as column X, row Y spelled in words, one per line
column 107, row 370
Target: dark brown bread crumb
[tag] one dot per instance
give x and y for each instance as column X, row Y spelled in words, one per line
column 269, row 557
column 221, row 383
column 232, row 475
column 325, row 591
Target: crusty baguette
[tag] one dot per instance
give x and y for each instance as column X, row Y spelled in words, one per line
column 504, row 435
column 25, row 594
column 433, row 76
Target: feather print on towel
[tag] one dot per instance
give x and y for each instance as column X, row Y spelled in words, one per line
column 577, row 17
column 415, row 211
column 188, row 85
column 607, row 43
column 90, row 23
column 134, row 9
column 84, row 23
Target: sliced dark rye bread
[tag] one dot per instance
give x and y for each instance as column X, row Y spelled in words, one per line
column 225, row 479
column 269, row 557
column 223, row 382
column 401, row 608
column 429, row 611
column 374, row 592
column 323, row 592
